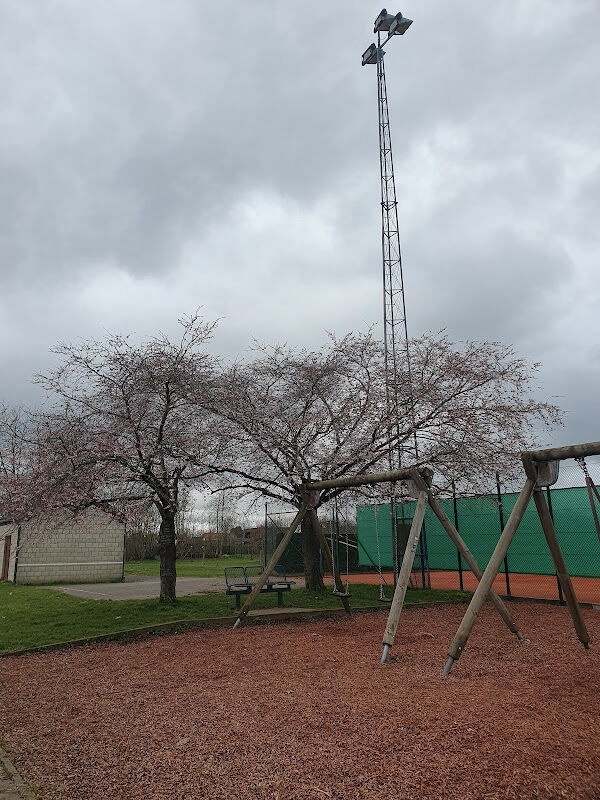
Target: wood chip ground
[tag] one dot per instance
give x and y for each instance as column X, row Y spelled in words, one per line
column 305, row 711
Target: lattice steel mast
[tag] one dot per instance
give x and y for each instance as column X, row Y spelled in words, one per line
column 395, row 329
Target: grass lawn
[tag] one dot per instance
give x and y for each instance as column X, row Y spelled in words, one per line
column 31, row 616
column 192, row 567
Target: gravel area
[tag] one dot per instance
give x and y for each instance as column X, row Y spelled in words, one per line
column 304, row 710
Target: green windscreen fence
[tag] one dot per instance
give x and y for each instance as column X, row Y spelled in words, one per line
column 479, row 525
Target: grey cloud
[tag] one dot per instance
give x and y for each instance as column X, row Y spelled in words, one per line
column 155, row 157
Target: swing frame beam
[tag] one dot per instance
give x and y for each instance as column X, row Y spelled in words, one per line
column 531, row 460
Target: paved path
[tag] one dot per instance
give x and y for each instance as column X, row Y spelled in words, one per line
column 12, row 785
column 142, row 588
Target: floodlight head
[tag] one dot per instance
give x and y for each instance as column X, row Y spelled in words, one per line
column 370, row 55
column 383, row 21
column 399, row 25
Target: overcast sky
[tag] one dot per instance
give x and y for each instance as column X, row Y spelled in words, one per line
column 159, row 156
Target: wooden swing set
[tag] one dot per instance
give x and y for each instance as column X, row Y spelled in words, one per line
column 541, row 470
column 418, row 485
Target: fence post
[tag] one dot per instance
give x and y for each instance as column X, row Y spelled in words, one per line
column 425, row 574
column 460, row 571
column 561, row 598
column 394, row 526
column 501, row 512
column 264, row 558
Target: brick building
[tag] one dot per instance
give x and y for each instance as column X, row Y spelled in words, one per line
column 86, row 548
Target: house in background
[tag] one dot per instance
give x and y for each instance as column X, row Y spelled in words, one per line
column 86, row 548
column 253, row 536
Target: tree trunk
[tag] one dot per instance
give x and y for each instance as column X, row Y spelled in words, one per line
column 310, row 556
column 166, row 549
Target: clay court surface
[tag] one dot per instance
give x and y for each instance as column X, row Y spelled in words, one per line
column 306, row 711
column 542, row 587
column 539, row 587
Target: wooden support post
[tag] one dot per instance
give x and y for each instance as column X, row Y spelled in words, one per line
column 279, row 550
column 557, row 556
column 561, row 568
column 485, row 584
column 329, row 562
column 468, row 556
column 404, row 575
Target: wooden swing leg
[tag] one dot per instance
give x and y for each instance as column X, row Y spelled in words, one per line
column 279, row 550
column 404, row 576
column 561, row 568
column 485, row 584
column 468, row 556
column 329, row 563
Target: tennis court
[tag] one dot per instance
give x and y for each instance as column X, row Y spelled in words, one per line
column 534, row 587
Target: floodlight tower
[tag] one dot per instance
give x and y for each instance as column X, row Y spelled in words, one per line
column 395, row 329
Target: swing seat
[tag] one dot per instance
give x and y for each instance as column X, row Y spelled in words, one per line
column 335, row 593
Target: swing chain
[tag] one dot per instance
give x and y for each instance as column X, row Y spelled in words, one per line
column 335, row 527
column 583, row 466
column 591, row 490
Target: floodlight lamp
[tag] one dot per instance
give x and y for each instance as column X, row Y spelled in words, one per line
column 383, row 21
column 399, row 25
column 370, row 55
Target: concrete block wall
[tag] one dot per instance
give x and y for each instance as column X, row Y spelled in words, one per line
column 82, row 549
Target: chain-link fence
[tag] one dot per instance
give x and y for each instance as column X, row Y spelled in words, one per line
column 351, row 554
column 275, row 525
column 383, row 549
column 339, row 527
column 528, row 570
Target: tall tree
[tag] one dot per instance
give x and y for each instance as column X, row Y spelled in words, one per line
column 122, row 430
column 15, row 462
column 300, row 415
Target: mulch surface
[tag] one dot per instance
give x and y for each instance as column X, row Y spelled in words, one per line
column 306, row 711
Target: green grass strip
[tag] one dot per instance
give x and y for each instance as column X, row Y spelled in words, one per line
column 33, row 617
column 192, row 567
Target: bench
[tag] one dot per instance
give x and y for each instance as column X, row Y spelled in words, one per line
column 241, row 580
